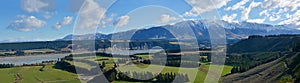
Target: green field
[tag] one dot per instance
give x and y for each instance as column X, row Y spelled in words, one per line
column 34, row 75
column 144, row 56
column 200, row 75
column 201, row 72
column 8, row 52
column 226, row 68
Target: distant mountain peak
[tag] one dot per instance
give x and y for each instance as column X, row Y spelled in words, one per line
column 233, row 30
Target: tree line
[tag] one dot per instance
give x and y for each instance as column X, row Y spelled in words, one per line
column 7, row 65
column 149, row 77
column 244, row 62
column 173, row 63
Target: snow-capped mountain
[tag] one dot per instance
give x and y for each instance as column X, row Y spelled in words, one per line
column 198, row 27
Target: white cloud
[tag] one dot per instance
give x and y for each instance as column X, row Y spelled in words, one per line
column 274, row 18
column 288, row 15
column 122, row 21
column 107, row 21
column 165, row 18
column 230, row 19
column 256, row 20
column 239, row 5
column 90, row 16
column 26, row 23
column 275, row 8
column 66, row 21
column 292, row 19
column 37, row 6
column 264, row 12
column 291, row 5
column 201, row 6
column 245, row 13
column 57, row 26
column 48, row 15
column 75, row 6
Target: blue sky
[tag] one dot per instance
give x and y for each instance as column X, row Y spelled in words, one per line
column 39, row 20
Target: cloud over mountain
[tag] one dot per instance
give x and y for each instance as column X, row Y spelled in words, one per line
column 165, row 18
column 230, row 18
column 201, row 6
column 122, row 21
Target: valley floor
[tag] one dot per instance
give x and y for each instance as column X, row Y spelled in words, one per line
column 32, row 74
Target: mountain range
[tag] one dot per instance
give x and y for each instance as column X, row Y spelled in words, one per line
column 233, row 31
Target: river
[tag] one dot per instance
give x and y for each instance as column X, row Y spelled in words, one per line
column 19, row 60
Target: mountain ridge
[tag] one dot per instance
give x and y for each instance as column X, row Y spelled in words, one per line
column 239, row 30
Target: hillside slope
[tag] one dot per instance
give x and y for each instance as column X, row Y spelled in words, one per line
column 265, row 44
column 284, row 69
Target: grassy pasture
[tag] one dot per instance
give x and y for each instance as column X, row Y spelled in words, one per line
column 32, row 74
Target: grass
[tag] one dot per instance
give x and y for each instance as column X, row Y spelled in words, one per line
column 9, row 52
column 39, row 50
column 144, row 56
column 226, row 68
column 8, row 75
column 200, row 75
column 33, row 75
column 110, row 60
column 82, row 65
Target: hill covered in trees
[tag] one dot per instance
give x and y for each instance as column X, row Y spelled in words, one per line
column 272, row 43
column 272, row 58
